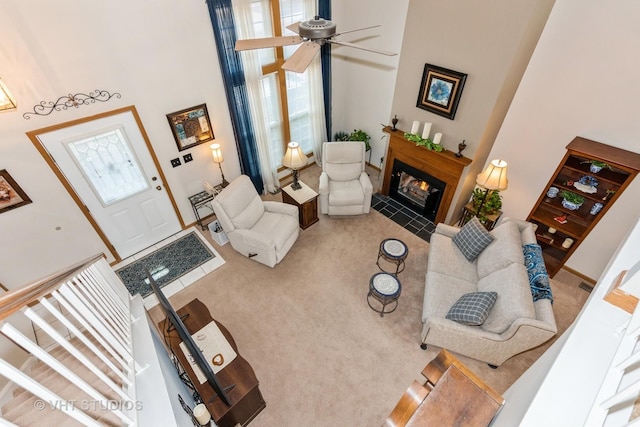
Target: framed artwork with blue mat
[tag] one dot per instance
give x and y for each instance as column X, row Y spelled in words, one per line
column 166, row 264
column 440, row 90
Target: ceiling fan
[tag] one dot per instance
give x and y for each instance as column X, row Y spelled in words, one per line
column 312, row 34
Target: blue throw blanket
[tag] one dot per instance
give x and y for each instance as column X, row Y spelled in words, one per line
column 538, row 276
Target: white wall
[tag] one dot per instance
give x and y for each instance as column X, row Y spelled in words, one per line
column 160, row 56
column 363, row 82
column 581, row 81
column 491, row 42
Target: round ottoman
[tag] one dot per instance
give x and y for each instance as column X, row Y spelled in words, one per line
column 386, row 289
column 392, row 251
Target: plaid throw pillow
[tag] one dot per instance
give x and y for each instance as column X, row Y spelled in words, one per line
column 472, row 239
column 472, row 309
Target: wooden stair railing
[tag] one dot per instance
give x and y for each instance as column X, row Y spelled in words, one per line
column 19, row 298
column 90, row 302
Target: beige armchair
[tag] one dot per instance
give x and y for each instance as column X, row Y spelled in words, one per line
column 345, row 187
column 261, row 230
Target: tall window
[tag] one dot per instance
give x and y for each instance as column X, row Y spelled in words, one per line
column 286, row 102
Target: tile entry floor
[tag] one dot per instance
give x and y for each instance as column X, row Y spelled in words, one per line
column 184, row 280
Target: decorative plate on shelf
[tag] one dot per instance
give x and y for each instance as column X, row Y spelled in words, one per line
column 587, row 184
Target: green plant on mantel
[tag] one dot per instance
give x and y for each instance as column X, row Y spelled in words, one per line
column 427, row 143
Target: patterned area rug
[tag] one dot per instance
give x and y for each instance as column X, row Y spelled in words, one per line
column 166, row 264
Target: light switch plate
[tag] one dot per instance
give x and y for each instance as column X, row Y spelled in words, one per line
column 175, row 162
column 187, row 158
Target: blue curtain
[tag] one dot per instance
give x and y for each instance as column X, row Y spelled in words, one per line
column 324, row 10
column 221, row 14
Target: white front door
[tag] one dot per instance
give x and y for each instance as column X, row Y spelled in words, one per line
column 108, row 163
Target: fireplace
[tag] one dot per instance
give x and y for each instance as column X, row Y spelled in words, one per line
column 416, row 189
column 440, row 172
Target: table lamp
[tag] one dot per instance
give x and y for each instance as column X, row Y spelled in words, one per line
column 294, row 159
column 217, row 158
column 493, row 178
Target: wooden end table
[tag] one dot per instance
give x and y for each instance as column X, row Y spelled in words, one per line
column 306, row 199
column 469, row 212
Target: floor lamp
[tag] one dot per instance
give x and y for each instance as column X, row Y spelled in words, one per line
column 493, row 178
column 217, row 158
column 294, row 159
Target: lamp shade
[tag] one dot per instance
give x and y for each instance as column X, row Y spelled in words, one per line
column 494, row 177
column 7, row 101
column 217, row 153
column 294, row 158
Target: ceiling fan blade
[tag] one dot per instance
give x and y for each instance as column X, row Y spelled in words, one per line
column 383, row 52
column 248, row 44
column 359, row 29
column 294, row 27
column 302, row 57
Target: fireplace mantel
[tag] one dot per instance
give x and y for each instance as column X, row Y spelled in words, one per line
column 444, row 165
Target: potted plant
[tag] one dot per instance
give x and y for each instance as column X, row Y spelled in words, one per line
column 597, row 165
column 341, row 136
column 492, row 203
column 571, row 200
column 356, row 135
column 360, row 135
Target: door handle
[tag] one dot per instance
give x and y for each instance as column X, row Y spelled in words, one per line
column 158, row 188
column 155, row 178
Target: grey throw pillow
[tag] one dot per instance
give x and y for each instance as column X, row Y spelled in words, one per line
column 472, row 239
column 472, row 309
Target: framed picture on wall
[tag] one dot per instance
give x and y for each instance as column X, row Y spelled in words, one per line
column 440, row 90
column 11, row 195
column 191, row 126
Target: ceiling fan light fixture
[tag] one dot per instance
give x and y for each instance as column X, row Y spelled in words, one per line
column 317, row 29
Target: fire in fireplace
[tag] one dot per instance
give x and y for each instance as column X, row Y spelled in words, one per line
column 416, row 189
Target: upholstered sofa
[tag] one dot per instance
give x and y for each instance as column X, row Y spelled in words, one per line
column 514, row 324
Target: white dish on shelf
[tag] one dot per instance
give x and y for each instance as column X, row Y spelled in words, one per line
column 590, row 189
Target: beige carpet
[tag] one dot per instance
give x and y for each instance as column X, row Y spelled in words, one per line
column 322, row 356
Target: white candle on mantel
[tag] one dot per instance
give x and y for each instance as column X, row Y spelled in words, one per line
column 415, row 127
column 202, row 414
column 426, row 131
column 437, row 137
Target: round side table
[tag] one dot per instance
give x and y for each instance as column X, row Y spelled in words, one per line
column 393, row 251
column 386, row 289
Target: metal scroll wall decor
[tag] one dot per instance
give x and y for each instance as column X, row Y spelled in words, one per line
column 45, row 108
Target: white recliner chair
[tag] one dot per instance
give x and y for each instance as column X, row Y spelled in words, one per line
column 261, row 230
column 345, row 187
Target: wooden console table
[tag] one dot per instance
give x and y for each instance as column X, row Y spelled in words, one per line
column 245, row 396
